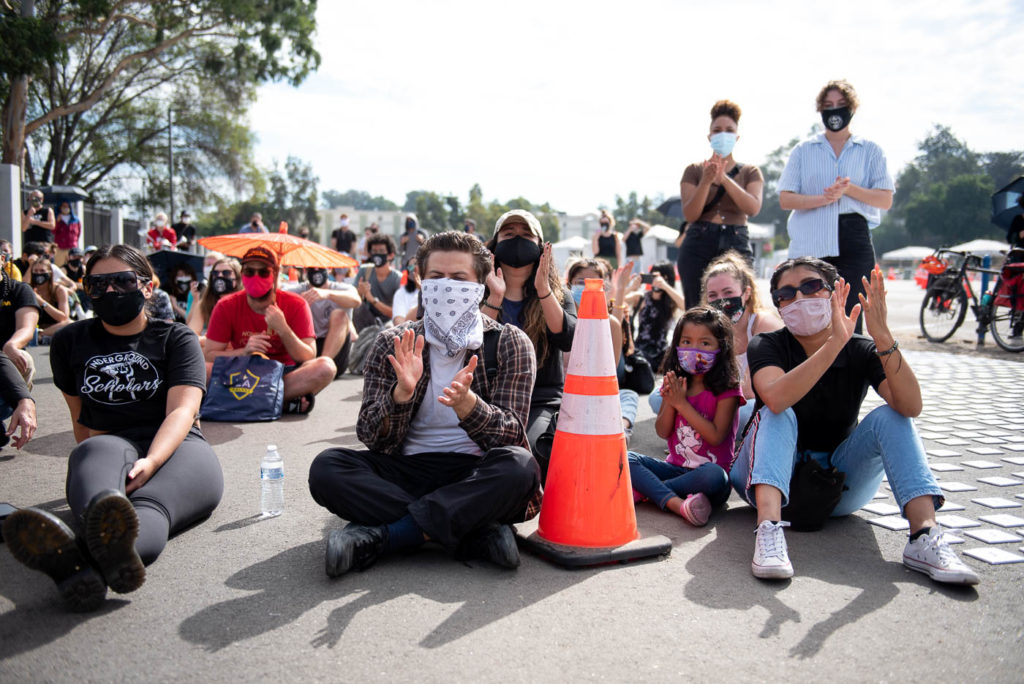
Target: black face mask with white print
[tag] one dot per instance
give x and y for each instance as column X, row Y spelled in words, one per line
column 836, row 119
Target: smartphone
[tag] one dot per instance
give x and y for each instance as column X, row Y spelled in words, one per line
column 5, row 510
column 646, row 278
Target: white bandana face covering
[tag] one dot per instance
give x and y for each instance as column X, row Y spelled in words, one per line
column 451, row 314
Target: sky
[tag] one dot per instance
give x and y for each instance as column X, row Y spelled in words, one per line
column 573, row 103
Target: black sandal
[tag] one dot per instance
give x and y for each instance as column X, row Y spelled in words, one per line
column 294, row 406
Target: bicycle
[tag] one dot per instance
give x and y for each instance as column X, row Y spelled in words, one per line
column 1000, row 311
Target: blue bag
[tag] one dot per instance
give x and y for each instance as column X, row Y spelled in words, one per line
column 244, row 389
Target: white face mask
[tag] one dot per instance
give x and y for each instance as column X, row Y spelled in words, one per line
column 806, row 317
column 451, row 314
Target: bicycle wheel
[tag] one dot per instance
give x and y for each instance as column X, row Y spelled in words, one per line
column 942, row 312
column 1007, row 322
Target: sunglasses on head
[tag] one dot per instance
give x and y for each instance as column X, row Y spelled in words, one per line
column 122, row 281
column 226, row 273
column 249, row 272
column 809, row 287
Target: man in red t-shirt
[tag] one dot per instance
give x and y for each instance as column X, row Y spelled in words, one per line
column 262, row 319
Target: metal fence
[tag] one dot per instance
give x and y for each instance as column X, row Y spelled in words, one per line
column 95, row 224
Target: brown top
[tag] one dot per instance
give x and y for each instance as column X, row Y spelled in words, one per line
column 725, row 211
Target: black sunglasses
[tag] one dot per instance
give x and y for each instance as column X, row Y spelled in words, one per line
column 226, row 273
column 123, row 281
column 249, row 272
column 809, row 287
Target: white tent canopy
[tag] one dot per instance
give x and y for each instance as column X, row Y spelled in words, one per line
column 908, row 253
column 982, row 247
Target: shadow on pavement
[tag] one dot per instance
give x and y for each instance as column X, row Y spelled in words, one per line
column 220, row 433
column 58, row 444
column 485, row 594
column 846, row 553
column 42, row 607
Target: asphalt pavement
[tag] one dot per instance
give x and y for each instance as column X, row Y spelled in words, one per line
column 242, row 599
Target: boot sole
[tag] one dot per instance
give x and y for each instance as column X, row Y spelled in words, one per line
column 111, row 528
column 42, row 542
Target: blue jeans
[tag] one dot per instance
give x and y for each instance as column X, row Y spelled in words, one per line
column 883, row 443
column 659, row 480
column 629, row 401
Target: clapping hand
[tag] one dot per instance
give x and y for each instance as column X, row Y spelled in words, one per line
column 458, row 396
column 495, row 282
column 408, row 364
column 843, row 325
column 673, row 390
column 836, row 190
column 540, row 281
column 876, row 313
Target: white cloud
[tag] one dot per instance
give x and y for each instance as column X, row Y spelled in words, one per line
column 574, row 103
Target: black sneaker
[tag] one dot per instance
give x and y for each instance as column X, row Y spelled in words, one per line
column 355, row 546
column 111, row 528
column 495, row 543
column 41, row 541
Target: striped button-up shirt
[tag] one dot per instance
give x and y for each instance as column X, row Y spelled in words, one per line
column 811, row 168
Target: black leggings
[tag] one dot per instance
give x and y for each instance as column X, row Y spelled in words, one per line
column 185, row 489
column 856, row 258
column 703, row 242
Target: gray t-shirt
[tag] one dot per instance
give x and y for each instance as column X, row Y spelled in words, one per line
column 367, row 314
column 322, row 308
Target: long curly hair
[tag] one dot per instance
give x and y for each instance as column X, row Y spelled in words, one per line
column 733, row 264
column 533, row 323
column 210, row 298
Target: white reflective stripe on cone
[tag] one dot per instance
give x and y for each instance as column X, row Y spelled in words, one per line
column 590, row 415
column 592, row 352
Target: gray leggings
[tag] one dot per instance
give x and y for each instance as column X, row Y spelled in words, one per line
column 185, row 489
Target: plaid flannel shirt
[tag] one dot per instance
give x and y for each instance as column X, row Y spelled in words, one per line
column 498, row 418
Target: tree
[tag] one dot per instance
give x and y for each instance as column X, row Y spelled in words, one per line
column 292, row 196
column 357, row 199
column 104, row 43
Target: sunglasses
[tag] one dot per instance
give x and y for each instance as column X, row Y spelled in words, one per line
column 122, row 281
column 809, row 287
column 226, row 273
column 249, row 272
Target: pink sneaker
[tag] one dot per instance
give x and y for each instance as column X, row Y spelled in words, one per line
column 638, row 497
column 696, row 510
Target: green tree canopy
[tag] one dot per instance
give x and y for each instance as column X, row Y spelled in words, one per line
column 357, row 198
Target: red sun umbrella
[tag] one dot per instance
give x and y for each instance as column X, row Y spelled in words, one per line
column 291, row 249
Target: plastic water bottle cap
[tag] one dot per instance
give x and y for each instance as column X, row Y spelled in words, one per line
column 271, row 447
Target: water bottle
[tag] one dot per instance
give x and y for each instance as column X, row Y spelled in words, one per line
column 986, row 299
column 272, row 482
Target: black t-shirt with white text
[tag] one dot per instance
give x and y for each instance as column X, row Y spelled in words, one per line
column 19, row 296
column 123, row 380
column 827, row 414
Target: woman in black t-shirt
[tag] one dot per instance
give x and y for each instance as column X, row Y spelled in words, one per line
column 142, row 469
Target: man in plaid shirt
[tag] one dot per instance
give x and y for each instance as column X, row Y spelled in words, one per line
column 448, row 457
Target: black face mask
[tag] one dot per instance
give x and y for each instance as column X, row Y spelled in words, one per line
column 379, row 259
column 836, row 119
column 317, row 278
column 183, row 285
column 410, row 224
column 40, row 278
column 116, row 308
column 732, row 307
column 220, row 284
column 517, row 251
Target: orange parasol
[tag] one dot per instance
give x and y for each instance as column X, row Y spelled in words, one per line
column 291, row 249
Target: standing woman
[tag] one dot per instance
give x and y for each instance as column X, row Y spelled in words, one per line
column 836, row 185
column 142, row 469
column 718, row 196
column 66, row 233
column 607, row 243
column 524, row 290
column 633, row 240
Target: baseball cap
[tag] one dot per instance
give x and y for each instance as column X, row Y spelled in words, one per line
column 520, row 216
column 76, row 251
column 262, row 253
column 90, row 248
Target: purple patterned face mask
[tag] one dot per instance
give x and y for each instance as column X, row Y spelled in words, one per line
column 696, row 361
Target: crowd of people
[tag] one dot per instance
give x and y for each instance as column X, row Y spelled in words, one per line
column 462, row 346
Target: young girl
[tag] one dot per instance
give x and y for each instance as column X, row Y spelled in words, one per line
column 698, row 417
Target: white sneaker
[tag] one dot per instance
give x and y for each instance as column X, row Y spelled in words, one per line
column 931, row 554
column 771, row 559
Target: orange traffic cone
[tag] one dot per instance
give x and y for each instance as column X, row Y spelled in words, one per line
column 587, row 516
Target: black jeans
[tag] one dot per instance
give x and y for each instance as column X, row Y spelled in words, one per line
column 449, row 495
column 703, row 242
column 186, row 488
column 856, row 258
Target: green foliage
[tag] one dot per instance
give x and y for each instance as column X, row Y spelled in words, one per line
column 944, row 196
column 357, row 198
column 644, row 209
column 26, row 44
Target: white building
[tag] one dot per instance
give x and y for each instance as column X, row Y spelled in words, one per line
column 391, row 222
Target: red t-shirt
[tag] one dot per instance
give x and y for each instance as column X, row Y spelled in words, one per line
column 233, row 321
column 155, row 235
